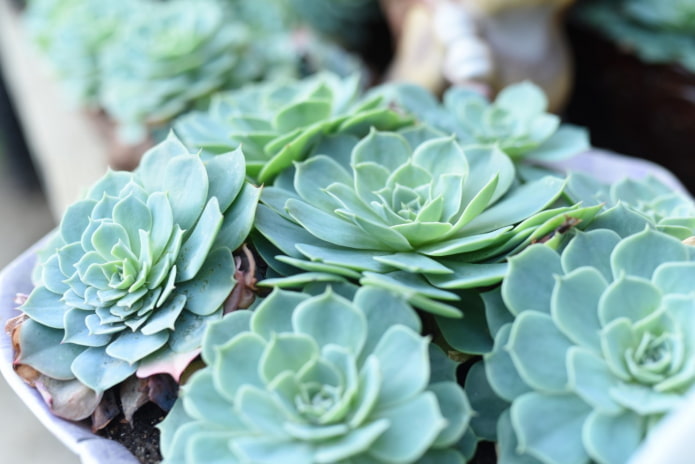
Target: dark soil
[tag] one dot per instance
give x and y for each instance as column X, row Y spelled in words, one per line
column 141, row 437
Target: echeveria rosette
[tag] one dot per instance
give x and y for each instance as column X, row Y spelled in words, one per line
column 672, row 211
column 676, row 15
column 138, row 268
column 72, row 34
column 421, row 218
column 280, row 122
column 516, row 121
column 168, row 56
column 319, row 379
column 599, row 344
column 657, row 32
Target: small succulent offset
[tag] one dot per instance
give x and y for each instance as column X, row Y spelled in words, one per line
column 280, row 122
column 137, row 269
column 418, row 217
column 672, row 211
column 319, row 379
column 516, row 121
column 169, row 55
column 600, row 343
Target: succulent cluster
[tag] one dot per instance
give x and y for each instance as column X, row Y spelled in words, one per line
column 423, row 217
column 290, row 383
column 516, row 121
column 147, row 61
column 657, row 32
column 137, row 269
column 598, row 347
column 281, row 122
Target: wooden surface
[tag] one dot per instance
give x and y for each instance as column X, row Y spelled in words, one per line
column 68, row 149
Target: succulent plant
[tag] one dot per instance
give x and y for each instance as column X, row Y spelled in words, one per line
column 657, row 32
column 137, row 269
column 280, row 122
column 421, row 219
column 73, row 33
column 599, row 343
column 672, row 211
column 516, row 121
column 170, row 55
column 348, row 22
column 319, row 379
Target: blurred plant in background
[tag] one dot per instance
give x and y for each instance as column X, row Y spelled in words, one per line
column 145, row 61
column 656, row 31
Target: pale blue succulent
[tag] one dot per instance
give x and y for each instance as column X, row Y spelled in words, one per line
column 73, row 34
column 138, row 268
column 594, row 344
column 517, row 120
column 319, row 379
column 348, row 22
column 671, row 210
column 422, row 218
column 657, row 32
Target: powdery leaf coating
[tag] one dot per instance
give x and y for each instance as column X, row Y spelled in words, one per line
column 138, row 268
column 606, row 349
column 323, row 386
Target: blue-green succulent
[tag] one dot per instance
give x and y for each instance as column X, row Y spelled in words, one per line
column 170, row 55
column 281, row 122
column 594, row 344
column 673, row 211
column 657, row 32
column 419, row 217
column 137, row 269
column 319, row 379
column 516, row 121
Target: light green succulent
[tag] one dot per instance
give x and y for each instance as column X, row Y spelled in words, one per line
column 516, row 121
column 672, row 211
column 138, row 268
column 280, row 122
column 421, row 218
column 72, row 34
column 657, row 32
column 319, row 379
column 170, row 55
column 594, row 345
